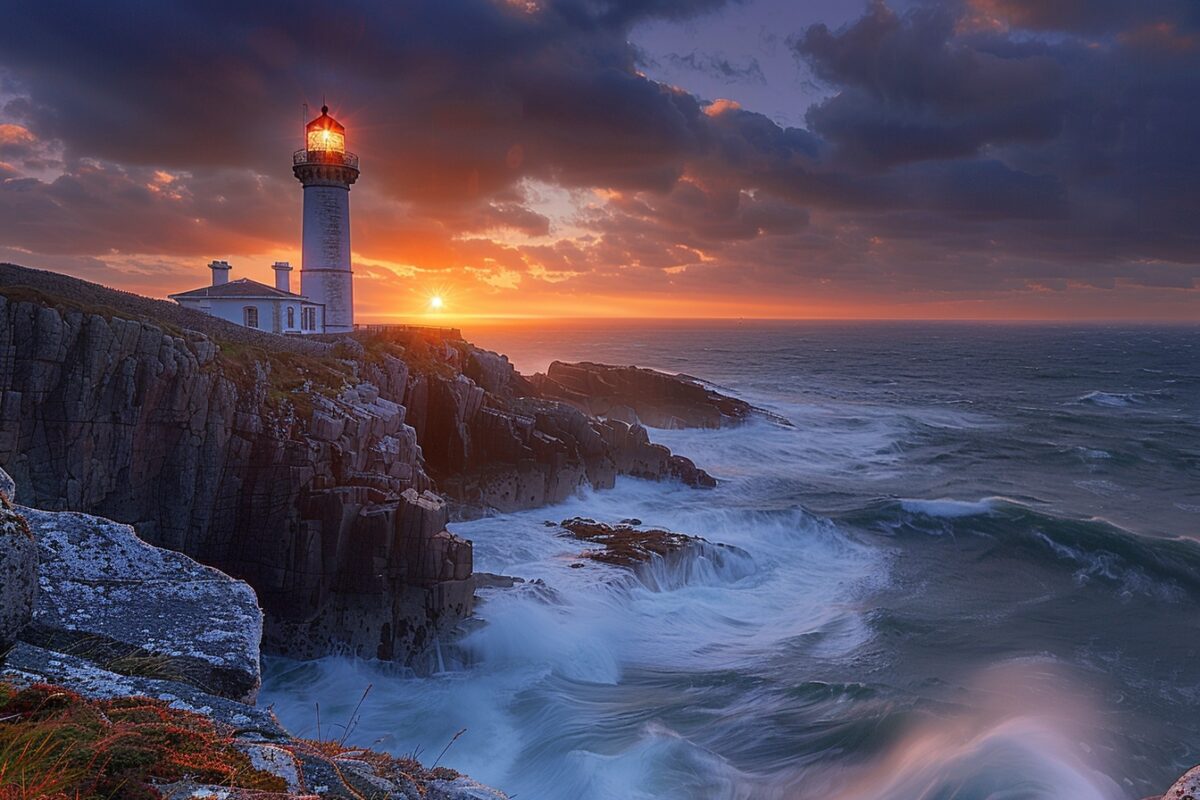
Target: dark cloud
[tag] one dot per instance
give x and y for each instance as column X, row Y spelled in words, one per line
column 911, row 90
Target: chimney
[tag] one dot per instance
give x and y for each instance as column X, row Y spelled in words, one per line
column 283, row 280
column 220, row 272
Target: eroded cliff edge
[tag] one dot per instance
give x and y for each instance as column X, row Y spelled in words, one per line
column 302, row 466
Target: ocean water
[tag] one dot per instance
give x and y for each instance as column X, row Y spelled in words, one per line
column 971, row 571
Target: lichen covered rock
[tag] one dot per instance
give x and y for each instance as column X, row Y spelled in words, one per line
column 18, row 574
column 108, row 596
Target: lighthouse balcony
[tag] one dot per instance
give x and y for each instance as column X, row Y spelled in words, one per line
column 330, row 157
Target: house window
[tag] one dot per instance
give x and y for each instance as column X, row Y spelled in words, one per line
column 308, row 318
column 291, row 317
column 251, row 315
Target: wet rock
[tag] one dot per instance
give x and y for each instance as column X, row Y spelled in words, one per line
column 109, row 597
column 660, row 559
column 462, row 788
column 635, row 394
column 18, row 574
column 490, row 580
column 1186, row 788
column 625, row 545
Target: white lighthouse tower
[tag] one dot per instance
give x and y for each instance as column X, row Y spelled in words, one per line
column 326, row 171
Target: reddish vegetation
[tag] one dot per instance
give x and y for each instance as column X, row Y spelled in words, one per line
column 56, row 745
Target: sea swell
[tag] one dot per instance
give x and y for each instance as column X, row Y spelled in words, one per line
column 940, row 588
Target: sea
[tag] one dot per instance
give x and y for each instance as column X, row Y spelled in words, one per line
column 969, row 569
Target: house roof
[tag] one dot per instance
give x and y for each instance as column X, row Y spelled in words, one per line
column 242, row 287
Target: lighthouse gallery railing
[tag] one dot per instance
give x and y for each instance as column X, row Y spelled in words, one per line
column 304, row 156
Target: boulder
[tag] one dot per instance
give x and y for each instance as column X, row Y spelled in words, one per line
column 1186, row 788
column 107, row 596
column 18, row 574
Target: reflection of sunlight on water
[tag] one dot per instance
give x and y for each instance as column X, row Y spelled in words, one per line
column 1023, row 741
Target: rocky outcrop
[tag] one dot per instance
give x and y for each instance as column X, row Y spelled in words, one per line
column 125, row 604
column 660, row 559
column 627, row 544
column 143, row 665
column 636, row 394
column 286, row 462
column 1186, row 788
column 490, row 440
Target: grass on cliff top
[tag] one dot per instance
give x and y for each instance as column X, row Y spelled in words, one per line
column 293, row 377
column 56, row 745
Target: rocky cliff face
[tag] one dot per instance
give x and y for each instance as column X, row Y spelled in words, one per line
column 300, row 466
column 126, row 641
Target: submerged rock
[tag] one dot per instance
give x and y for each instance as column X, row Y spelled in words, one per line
column 625, row 545
column 661, row 559
column 119, row 602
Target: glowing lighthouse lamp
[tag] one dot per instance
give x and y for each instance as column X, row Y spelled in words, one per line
column 326, row 171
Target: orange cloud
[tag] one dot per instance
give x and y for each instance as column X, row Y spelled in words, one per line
column 11, row 134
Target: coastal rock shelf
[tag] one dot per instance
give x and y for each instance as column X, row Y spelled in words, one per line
column 636, row 394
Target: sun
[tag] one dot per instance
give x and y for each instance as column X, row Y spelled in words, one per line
column 435, row 302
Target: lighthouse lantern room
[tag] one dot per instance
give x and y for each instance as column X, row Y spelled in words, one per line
column 327, row 171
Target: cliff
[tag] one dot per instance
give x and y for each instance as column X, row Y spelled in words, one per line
column 303, row 466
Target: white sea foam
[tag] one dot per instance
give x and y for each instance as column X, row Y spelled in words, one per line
column 543, row 696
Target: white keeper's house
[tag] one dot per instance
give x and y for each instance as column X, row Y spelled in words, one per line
column 325, row 303
column 276, row 309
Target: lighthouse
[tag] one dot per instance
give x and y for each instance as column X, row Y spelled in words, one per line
column 326, row 171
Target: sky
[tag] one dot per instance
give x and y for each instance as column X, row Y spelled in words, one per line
column 959, row 159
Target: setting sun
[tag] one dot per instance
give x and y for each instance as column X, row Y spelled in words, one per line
column 435, row 303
